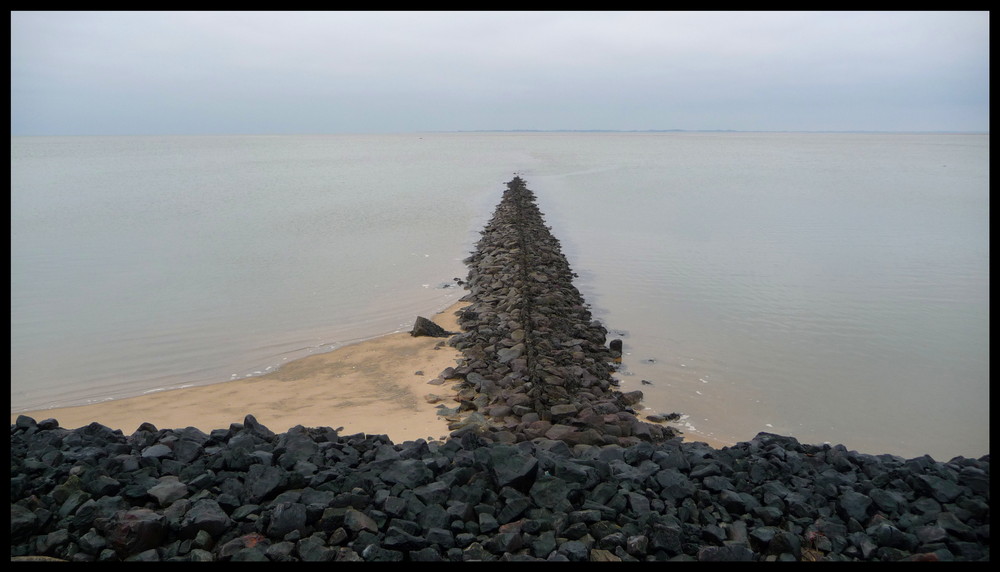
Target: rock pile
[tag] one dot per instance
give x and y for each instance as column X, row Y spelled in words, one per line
column 546, row 461
column 535, row 363
column 310, row 494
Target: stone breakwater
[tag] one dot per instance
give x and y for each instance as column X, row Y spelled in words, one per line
column 535, row 363
column 545, row 462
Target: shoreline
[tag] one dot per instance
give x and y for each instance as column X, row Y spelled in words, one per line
column 367, row 387
column 371, row 387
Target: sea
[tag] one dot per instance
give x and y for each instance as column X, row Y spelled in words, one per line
column 833, row 287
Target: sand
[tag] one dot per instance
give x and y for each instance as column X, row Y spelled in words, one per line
column 378, row 386
column 369, row 387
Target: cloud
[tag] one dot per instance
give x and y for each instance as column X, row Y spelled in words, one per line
column 151, row 72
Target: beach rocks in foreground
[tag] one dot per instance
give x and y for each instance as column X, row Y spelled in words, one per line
column 245, row 493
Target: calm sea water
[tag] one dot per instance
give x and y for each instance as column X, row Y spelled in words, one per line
column 833, row 287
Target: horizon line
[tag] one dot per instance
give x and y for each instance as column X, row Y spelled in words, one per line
column 439, row 131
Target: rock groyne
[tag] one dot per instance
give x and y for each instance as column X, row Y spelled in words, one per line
column 545, row 462
column 536, row 364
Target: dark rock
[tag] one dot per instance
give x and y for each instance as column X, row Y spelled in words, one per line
column 168, row 490
column 854, row 505
column 475, row 552
column 950, row 522
column 727, row 553
column 206, row 515
column 230, row 549
column 51, row 542
column 409, row 473
column 133, row 531
column 550, row 492
column 145, row 556
column 574, row 550
column 356, row 521
column 943, row 490
column 785, row 542
column 375, row 553
column 286, row 517
column 255, row 554
column 157, row 451
column 428, row 554
column 313, row 549
column 632, row 397
column 263, row 482
column 398, row 539
column 282, row 551
column 424, row 327
column 511, row 467
column 544, row 544
column 23, row 521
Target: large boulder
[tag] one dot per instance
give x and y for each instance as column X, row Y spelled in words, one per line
column 425, row 327
column 207, row 515
column 133, row 531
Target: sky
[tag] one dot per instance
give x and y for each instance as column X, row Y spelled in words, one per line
column 138, row 73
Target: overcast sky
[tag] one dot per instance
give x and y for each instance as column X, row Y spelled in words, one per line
column 399, row 72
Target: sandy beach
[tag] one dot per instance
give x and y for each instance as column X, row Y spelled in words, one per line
column 368, row 387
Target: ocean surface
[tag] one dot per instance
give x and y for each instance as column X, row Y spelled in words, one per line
column 829, row 286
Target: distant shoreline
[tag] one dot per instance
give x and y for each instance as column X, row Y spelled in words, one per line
column 444, row 132
column 707, row 131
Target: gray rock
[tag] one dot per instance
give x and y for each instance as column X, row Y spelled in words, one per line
column 313, row 549
column 356, row 521
column 168, row 490
column 263, row 482
column 727, row 553
column 157, row 451
column 550, row 492
column 207, row 515
column 398, row 539
column 286, row 517
column 409, row 473
column 92, row 542
column 574, row 550
column 510, row 466
column 854, row 505
column 23, row 521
